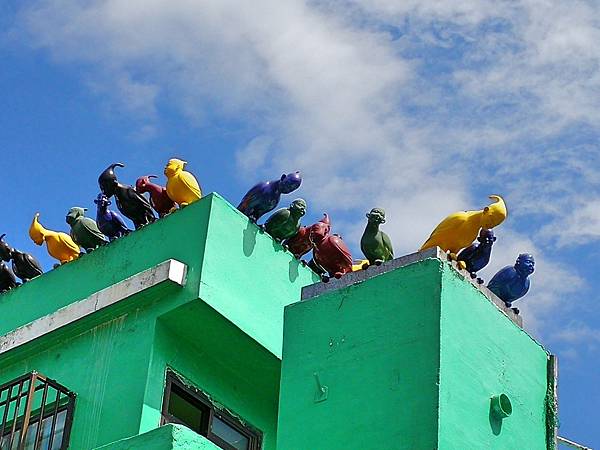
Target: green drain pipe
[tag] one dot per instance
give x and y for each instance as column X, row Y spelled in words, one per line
column 501, row 406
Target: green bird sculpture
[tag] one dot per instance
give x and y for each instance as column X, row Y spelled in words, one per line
column 375, row 244
column 84, row 230
column 285, row 222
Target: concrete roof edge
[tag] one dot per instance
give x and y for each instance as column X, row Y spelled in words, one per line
column 352, row 278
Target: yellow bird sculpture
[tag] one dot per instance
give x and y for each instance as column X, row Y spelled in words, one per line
column 460, row 229
column 182, row 186
column 60, row 245
column 359, row 264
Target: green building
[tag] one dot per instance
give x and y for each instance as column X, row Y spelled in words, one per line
column 201, row 332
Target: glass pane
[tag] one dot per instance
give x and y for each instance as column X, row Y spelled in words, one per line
column 44, row 440
column 229, row 434
column 183, row 410
column 6, row 441
column 46, row 429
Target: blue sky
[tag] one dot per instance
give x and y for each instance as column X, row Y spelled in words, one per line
column 421, row 107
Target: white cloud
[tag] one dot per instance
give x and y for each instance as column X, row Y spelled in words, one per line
column 576, row 336
column 577, row 331
column 582, row 225
column 423, row 107
column 254, row 155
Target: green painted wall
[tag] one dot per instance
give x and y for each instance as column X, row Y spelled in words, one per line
column 168, row 437
column 248, row 277
column 106, row 367
column 483, row 353
column 106, row 362
column 375, row 345
column 113, row 263
column 233, row 370
column 116, row 360
column 410, row 359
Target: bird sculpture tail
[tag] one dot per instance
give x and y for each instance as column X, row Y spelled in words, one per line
column 495, row 213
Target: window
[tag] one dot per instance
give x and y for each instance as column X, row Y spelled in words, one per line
column 35, row 414
column 192, row 408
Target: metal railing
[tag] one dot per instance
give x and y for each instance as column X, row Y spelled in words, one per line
column 35, row 414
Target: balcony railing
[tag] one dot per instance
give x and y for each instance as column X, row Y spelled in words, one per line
column 35, row 414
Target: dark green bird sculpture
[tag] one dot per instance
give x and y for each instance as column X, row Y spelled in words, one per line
column 285, row 222
column 375, row 244
column 84, row 230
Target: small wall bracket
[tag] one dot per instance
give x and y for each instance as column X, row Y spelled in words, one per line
column 322, row 390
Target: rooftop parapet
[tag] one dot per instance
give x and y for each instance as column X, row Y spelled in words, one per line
column 349, row 279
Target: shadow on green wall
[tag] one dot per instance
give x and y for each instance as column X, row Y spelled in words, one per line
column 249, row 238
column 495, row 422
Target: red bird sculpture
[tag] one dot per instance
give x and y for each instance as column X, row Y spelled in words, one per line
column 159, row 199
column 331, row 253
column 301, row 244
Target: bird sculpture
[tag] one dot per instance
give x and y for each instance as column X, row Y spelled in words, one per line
column 7, row 279
column 477, row 255
column 332, row 254
column 264, row 197
column 312, row 264
column 285, row 222
column 84, row 230
column 460, row 229
column 300, row 244
column 159, row 199
column 182, row 186
column 375, row 244
column 24, row 265
column 359, row 264
column 60, row 245
column 512, row 282
column 110, row 223
column 133, row 205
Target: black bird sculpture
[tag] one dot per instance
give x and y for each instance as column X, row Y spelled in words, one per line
column 24, row 265
column 132, row 204
column 7, row 279
column 477, row 255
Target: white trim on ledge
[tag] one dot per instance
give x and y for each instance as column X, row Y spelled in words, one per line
column 569, row 443
column 168, row 271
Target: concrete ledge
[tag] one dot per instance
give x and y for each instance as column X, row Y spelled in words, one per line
column 356, row 277
column 317, row 289
column 167, row 437
column 170, row 271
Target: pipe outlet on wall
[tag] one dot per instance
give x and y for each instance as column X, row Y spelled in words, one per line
column 501, row 406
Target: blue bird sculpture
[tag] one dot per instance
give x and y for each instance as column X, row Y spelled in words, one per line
column 512, row 283
column 265, row 196
column 110, row 223
column 477, row 255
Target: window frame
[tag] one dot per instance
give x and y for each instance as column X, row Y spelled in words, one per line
column 209, row 410
column 35, row 419
column 30, row 417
